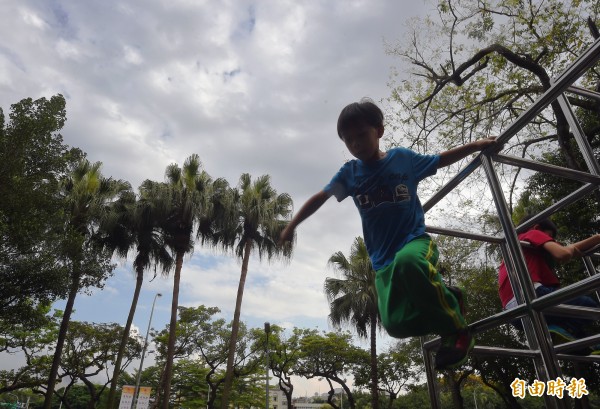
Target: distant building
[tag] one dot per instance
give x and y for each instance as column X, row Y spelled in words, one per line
column 277, row 399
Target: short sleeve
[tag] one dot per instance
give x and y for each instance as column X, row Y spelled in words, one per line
column 338, row 186
column 424, row 165
column 537, row 238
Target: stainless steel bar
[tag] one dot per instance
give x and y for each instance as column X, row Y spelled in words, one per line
column 452, row 183
column 548, row 367
column 567, row 293
column 497, row 351
column 584, row 92
column 579, row 358
column 434, row 395
column 560, row 84
column 574, row 311
column 578, row 343
column 462, row 234
column 547, row 168
column 565, row 201
column 580, row 138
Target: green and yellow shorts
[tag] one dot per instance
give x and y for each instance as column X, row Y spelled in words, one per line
column 412, row 298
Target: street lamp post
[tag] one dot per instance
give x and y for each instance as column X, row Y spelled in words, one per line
column 139, row 374
column 267, row 330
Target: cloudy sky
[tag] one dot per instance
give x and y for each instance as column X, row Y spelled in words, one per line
column 250, row 86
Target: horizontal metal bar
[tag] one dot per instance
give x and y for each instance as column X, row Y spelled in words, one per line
column 580, row 65
column 499, row 351
column 574, row 311
column 564, row 202
column 578, row 343
column 559, row 296
column 567, row 293
column 547, row 168
column 579, row 358
column 584, row 92
column 462, row 234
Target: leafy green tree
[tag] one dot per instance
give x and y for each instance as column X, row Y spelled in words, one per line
column 257, row 220
column 86, row 195
column 396, row 370
column 189, row 388
column 330, row 356
column 201, row 335
column 353, row 301
column 32, row 343
column 284, row 353
column 33, row 158
column 134, row 224
column 481, row 64
column 186, row 199
column 90, row 349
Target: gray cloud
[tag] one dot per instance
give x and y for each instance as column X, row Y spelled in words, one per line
column 250, row 86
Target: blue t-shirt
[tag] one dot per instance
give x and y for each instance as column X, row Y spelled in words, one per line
column 385, row 194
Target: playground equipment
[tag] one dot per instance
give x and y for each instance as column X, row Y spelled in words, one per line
column 545, row 356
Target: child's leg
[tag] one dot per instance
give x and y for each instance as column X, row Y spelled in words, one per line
column 573, row 325
column 413, row 300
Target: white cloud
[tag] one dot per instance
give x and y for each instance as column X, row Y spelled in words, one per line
column 250, row 86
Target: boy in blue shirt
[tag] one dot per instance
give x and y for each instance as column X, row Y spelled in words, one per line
column 412, row 298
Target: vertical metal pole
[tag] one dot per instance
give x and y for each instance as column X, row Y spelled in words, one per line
column 549, row 370
column 577, row 130
column 267, row 330
column 434, row 396
column 139, row 374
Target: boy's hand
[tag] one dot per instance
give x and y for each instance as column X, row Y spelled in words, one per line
column 287, row 235
column 485, row 143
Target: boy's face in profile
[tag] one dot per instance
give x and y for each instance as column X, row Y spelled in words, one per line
column 362, row 140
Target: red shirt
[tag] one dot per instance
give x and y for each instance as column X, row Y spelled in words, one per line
column 537, row 265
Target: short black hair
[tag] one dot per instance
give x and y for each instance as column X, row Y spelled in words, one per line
column 545, row 224
column 357, row 113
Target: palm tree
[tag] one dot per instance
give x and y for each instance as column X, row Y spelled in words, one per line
column 189, row 199
column 260, row 215
column 87, row 196
column 353, row 300
column 135, row 224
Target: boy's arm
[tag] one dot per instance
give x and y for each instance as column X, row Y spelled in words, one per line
column 312, row 205
column 455, row 154
column 563, row 254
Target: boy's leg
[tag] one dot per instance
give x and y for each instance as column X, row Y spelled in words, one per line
column 413, row 300
column 572, row 325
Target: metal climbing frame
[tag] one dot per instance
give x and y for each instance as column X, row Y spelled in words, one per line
column 545, row 356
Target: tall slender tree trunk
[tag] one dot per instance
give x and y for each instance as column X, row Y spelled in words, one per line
column 457, row 399
column 62, row 335
column 374, row 380
column 172, row 330
column 125, row 337
column 235, row 327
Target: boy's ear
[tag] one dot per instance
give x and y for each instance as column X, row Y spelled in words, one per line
column 380, row 131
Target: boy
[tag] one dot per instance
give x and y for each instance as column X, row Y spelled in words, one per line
column 412, row 298
column 541, row 258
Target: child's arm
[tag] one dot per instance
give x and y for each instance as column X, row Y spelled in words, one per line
column 563, row 254
column 455, row 154
column 312, row 205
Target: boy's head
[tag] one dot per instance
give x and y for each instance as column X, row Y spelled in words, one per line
column 358, row 114
column 545, row 225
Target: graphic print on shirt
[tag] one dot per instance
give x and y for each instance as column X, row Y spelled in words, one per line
column 374, row 191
